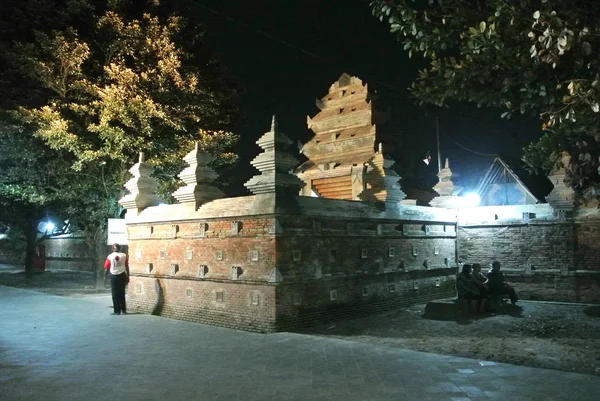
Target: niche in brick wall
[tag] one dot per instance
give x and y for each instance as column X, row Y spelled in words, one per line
column 236, row 272
column 219, row 255
column 220, row 296
column 391, row 252
column 173, row 269
column 415, row 250
column 436, row 250
column 297, row 255
column 202, row 271
column 188, row 254
column 202, row 229
column 365, row 291
column 189, row 293
column 427, row 264
column 236, row 227
column 364, row 253
column 392, row 288
column 317, row 226
column 149, row 268
column 254, row 298
column 254, row 254
column 162, row 255
column 437, row 282
column 333, row 295
column 427, row 229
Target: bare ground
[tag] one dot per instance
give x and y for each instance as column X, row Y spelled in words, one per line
column 539, row 334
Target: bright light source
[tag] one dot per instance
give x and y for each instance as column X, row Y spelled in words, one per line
column 50, row 227
column 471, row 199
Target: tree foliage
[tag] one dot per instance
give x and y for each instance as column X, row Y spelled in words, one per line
column 90, row 84
column 537, row 57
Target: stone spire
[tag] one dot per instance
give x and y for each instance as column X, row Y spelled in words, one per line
column 274, row 165
column 198, row 177
column 562, row 196
column 382, row 183
column 141, row 187
column 394, row 193
column 446, row 189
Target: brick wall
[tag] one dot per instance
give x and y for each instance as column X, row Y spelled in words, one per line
column 544, row 245
column 587, row 245
column 249, row 306
column 544, row 256
column 331, row 298
column 69, row 253
column 281, row 271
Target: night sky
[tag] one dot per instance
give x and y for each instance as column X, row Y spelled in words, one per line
column 286, row 53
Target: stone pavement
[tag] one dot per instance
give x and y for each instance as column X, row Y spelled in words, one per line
column 55, row 348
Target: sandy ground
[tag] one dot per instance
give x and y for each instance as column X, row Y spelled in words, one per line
column 539, row 334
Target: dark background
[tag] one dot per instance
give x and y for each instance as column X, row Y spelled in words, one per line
column 286, row 53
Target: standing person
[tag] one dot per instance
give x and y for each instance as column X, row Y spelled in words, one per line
column 117, row 266
column 497, row 287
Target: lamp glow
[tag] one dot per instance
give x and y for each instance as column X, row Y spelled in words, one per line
column 50, row 226
column 471, row 199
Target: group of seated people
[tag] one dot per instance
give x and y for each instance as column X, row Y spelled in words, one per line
column 478, row 288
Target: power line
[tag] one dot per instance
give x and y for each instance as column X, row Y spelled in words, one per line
column 286, row 43
column 316, row 56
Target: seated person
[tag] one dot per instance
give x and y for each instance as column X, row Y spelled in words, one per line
column 497, row 287
column 467, row 289
column 480, row 279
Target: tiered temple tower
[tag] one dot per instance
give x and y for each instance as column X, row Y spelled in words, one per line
column 345, row 159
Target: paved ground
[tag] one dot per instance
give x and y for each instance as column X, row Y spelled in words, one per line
column 56, row 348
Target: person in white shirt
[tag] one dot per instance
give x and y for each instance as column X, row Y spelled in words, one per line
column 117, row 267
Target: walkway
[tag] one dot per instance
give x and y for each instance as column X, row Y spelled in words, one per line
column 55, row 348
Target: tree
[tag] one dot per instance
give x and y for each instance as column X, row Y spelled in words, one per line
column 537, row 57
column 31, row 180
column 122, row 81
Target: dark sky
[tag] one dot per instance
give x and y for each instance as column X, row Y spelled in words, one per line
column 286, row 53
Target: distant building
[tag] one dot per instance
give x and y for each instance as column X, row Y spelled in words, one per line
column 503, row 186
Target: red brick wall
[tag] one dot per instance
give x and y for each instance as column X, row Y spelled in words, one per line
column 228, row 304
column 552, row 260
column 587, row 245
column 314, row 257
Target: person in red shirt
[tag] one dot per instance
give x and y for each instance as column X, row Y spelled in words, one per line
column 117, row 267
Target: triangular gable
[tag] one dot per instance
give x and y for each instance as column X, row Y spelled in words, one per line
column 498, row 176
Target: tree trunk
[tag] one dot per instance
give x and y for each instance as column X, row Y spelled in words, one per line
column 31, row 239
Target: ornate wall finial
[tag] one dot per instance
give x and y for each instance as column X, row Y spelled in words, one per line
column 562, row 196
column 141, row 187
column 198, row 177
column 274, row 123
column 446, row 189
column 274, row 165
